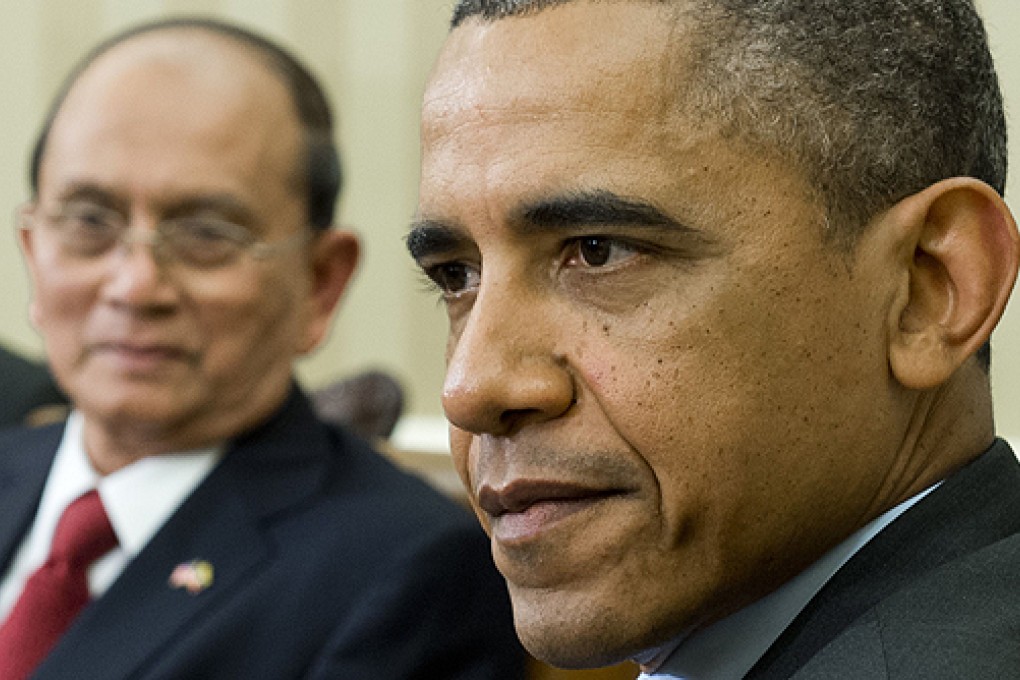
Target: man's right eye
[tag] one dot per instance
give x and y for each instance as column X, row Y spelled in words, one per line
column 87, row 220
column 453, row 278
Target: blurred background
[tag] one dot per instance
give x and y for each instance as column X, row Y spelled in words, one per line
column 373, row 57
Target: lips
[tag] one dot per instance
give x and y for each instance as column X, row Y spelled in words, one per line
column 523, row 509
column 521, row 494
column 135, row 355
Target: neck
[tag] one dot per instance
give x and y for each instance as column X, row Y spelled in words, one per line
column 949, row 427
column 110, row 451
column 119, row 440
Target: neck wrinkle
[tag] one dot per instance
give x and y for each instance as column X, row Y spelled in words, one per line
column 949, row 427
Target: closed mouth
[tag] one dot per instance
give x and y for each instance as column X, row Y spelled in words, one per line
column 523, row 509
column 144, row 352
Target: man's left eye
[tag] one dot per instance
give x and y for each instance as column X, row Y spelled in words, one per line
column 213, row 232
column 601, row 251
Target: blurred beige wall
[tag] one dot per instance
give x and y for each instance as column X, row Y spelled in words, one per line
column 1002, row 19
column 373, row 56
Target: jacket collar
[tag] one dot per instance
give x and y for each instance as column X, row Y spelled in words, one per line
column 977, row 506
column 274, row 467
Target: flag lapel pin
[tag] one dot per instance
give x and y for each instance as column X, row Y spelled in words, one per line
column 194, row 576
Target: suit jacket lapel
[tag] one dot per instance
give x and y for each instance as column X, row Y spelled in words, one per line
column 142, row 612
column 221, row 523
column 24, row 464
column 977, row 506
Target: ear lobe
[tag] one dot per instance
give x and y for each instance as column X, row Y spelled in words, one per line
column 335, row 255
column 964, row 261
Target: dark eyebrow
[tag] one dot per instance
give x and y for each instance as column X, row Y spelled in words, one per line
column 431, row 237
column 571, row 211
column 593, row 209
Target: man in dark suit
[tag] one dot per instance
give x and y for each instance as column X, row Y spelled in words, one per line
column 720, row 277
column 181, row 256
column 27, row 386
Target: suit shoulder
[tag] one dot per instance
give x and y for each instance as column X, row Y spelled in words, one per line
column 22, row 440
column 960, row 620
column 967, row 611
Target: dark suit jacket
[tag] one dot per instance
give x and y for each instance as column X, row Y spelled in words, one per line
column 329, row 563
column 24, row 386
column 936, row 595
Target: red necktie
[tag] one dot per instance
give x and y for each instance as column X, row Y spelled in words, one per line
column 57, row 591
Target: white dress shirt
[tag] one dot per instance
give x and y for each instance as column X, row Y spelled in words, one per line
column 138, row 498
column 729, row 648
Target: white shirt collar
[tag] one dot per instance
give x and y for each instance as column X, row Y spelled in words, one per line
column 138, row 498
column 728, row 649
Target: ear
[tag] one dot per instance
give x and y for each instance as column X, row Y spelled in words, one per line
column 25, row 240
column 23, row 216
column 334, row 258
column 960, row 250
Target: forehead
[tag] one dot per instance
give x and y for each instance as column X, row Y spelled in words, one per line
column 585, row 97
column 181, row 94
column 605, row 56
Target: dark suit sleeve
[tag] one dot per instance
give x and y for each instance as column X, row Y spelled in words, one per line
column 439, row 613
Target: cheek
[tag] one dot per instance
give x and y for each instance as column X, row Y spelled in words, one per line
column 661, row 380
column 60, row 306
column 236, row 313
column 463, row 451
column 460, row 450
column 698, row 393
column 256, row 323
column 737, row 406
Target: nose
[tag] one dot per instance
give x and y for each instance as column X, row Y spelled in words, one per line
column 137, row 278
column 503, row 371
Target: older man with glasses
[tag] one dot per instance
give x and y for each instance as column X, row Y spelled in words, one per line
column 193, row 517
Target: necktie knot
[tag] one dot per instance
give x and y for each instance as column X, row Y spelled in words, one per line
column 84, row 533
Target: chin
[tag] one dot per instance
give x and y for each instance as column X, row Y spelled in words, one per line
column 139, row 408
column 576, row 649
column 567, row 638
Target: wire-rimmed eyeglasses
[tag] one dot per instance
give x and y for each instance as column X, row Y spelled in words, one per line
column 89, row 231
